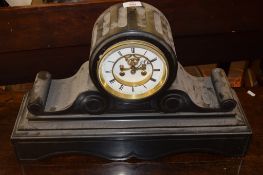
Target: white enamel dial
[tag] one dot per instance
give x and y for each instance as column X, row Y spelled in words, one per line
column 132, row 70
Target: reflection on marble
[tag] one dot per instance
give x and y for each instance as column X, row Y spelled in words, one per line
column 230, row 166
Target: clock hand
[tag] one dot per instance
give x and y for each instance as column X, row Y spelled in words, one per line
column 143, row 68
column 132, row 62
column 122, row 69
column 132, row 68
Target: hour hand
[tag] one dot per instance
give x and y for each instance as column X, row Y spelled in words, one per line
column 122, row 69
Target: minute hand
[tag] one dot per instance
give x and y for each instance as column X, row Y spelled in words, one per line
column 141, row 67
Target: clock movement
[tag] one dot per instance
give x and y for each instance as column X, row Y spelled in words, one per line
column 131, row 98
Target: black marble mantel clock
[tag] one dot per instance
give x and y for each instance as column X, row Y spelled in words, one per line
column 132, row 98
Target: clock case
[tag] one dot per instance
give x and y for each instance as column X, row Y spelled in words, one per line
column 75, row 115
column 143, row 23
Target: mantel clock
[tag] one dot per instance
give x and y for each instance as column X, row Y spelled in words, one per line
column 131, row 98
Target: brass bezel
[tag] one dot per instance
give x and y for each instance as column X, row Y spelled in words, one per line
column 131, row 43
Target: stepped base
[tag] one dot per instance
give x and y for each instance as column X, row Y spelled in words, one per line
column 121, row 136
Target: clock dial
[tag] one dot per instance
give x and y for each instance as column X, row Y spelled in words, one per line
column 132, row 70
